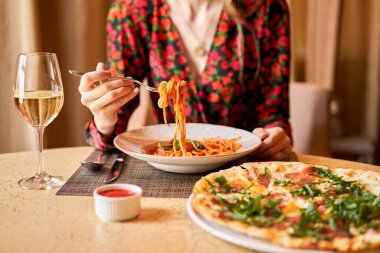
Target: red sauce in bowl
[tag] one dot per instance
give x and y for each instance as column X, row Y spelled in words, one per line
column 117, row 193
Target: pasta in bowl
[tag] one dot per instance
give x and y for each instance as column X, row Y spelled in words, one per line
column 143, row 142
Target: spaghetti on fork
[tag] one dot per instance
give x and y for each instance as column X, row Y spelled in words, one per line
column 176, row 90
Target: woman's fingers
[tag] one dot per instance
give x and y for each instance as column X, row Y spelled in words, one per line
column 286, row 154
column 260, row 132
column 113, row 97
column 280, row 151
column 109, row 95
column 105, row 88
column 100, row 66
column 121, row 101
column 275, row 146
column 88, row 80
column 274, row 135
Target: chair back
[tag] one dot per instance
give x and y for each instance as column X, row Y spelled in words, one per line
column 310, row 118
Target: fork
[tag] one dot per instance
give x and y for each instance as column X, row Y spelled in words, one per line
column 149, row 88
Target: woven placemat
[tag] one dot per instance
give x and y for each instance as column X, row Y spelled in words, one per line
column 155, row 183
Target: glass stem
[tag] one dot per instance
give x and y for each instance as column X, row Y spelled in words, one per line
column 40, row 143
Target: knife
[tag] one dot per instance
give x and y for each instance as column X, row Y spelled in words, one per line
column 116, row 170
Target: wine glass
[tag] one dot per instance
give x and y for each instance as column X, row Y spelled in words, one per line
column 38, row 97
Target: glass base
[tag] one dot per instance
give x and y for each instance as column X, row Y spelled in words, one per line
column 41, row 181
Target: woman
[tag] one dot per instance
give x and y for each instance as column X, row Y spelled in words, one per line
column 234, row 55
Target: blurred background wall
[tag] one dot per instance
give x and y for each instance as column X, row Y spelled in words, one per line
column 335, row 44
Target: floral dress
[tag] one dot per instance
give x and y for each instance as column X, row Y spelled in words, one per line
column 143, row 42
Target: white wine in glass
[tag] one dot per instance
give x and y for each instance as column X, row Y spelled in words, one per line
column 38, row 97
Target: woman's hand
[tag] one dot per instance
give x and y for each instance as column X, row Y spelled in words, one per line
column 276, row 144
column 103, row 100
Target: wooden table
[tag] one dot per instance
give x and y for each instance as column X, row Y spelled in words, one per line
column 40, row 221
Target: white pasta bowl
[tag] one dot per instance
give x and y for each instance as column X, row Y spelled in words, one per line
column 133, row 143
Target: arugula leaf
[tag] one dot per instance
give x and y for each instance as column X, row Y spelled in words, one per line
column 323, row 173
column 373, row 225
column 306, row 190
column 309, row 225
column 213, row 187
column 196, row 144
column 332, row 223
column 354, row 204
column 342, row 186
column 165, row 147
column 310, row 215
column 224, row 187
column 253, row 209
column 221, row 180
column 358, row 208
column 286, row 182
column 193, row 143
column 266, row 173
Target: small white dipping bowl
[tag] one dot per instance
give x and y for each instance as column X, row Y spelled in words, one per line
column 117, row 208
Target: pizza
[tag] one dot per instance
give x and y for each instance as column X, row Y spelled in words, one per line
column 294, row 204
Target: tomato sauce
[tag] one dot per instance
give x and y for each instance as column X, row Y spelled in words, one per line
column 117, row 193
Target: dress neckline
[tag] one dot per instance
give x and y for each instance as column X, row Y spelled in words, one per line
column 188, row 42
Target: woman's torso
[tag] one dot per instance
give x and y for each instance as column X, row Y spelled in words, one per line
column 218, row 96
